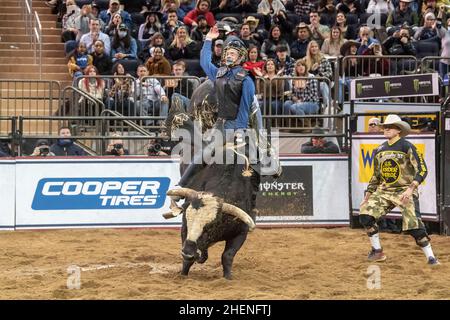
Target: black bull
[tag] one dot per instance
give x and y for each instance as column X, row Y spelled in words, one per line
column 219, row 200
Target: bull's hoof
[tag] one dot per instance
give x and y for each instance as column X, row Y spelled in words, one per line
column 228, row 276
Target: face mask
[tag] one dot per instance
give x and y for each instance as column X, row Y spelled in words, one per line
column 64, row 142
column 122, row 34
column 229, row 62
column 71, row 8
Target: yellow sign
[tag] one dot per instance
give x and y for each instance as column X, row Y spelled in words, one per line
column 367, row 158
column 414, row 119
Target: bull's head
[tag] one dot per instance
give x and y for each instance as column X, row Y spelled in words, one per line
column 204, row 208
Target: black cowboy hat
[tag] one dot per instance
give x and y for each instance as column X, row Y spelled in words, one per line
column 157, row 13
column 346, row 46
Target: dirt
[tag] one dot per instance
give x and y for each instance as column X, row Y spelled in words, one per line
column 288, row 263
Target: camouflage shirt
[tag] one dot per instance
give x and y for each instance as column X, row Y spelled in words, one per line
column 396, row 166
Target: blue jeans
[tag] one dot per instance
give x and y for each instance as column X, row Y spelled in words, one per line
column 325, row 92
column 181, row 100
column 302, row 108
column 146, row 108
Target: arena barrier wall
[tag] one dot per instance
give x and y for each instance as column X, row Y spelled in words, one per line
column 111, row 192
column 7, row 194
column 306, row 192
column 363, row 148
column 372, row 108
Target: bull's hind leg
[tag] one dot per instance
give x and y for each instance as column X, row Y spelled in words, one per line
column 231, row 248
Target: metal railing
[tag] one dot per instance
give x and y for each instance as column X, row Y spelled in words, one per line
column 27, row 12
column 37, row 43
column 94, row 144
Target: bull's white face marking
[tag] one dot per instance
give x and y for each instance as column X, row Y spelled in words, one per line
column 197, row 219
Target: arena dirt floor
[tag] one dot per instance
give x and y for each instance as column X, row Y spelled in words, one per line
column 289, row 263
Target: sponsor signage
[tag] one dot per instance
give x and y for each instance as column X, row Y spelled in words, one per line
column 395, row 86
column 100, row 193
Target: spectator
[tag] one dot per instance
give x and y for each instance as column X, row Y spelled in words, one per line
column 69, row 21
column 319, row 144
column 199, row 32
column 151, row 26
column 42, row 149
column 303, row 8
column 247, row 36
column 332, row 46
column 217, row 53
column 305, row 92
column 380, row 6
column 101, row 60
column 179, row 91
column 120, row 94
column 375, row 66
column 168, row 6
column 78, row 61
column 350, row 6
column 440, row 11
column 152, row 99
column 432, row 30
column 269, row 45
column 95, row 34
column 400, row 43
column 374, row 126
column 113, row 24
column 348, row 31
column 115, row 147
column 258, row 32
column 159, row 147
column 284, row 62
column 319, row 66
column 114, row 7
column 401, row 15
column 65, row 145
column 273, row 86
column 253, row 63
column 365, row 39
column 186, row 6
column 242, row 6
column 182, row 46
column 327, row 11
column 82, row 21
column 156, row 41
column 299, row 46
column 172, row 24
column 319, row 32
column 123, row 46
column 7, row 148
column 92, row 84
column 444, row 64
column 270, row 7
column 286, row 27
column 202, row 8
column 351, row 67
column 157, row 64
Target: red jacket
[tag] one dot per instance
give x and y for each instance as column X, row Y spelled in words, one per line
column 250, row 66
column 192, row 17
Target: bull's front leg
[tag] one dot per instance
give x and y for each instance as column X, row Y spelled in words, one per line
column 231, row 248
column 187, row 264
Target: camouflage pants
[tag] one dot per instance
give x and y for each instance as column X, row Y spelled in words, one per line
column 381, row 202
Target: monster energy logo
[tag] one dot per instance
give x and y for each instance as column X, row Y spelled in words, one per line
column 416, row 84
column 387, row 86
column 359, row 88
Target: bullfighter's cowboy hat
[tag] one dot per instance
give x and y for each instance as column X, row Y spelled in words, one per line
column 395, row 120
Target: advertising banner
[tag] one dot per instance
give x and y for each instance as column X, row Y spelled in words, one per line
column 306, row 192
column 7, row 194
column 57, row 193
column 363, row 150
column 395, row 86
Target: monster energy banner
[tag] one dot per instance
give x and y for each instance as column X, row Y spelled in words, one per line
column 396, row 86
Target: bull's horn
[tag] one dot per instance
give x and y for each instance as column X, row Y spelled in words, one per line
column 182, row 192
column 239, row 213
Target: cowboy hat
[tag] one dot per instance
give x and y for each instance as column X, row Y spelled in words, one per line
column 156, row 13
column 317, row 131
column 395, row 120
column 346, row 46
column 303, row 25
column 251, row 19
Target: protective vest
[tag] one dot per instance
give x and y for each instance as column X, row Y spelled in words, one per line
column 229, row 92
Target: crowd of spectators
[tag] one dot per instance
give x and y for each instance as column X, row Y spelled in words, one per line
column 125, row 42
